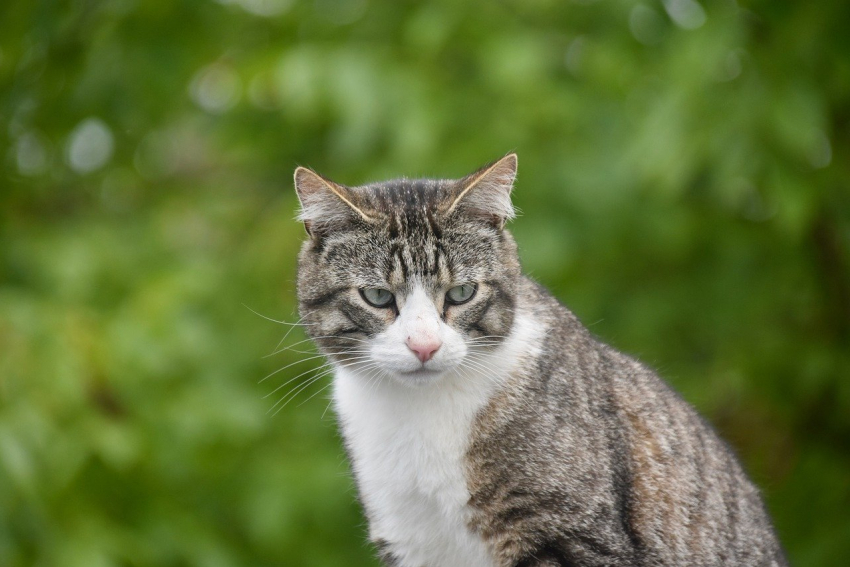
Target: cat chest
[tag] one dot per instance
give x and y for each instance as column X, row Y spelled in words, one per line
column 407, row 451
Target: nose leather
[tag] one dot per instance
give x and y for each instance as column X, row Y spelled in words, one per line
column 424, row 350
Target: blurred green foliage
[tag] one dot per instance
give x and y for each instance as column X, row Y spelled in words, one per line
column 684, row 182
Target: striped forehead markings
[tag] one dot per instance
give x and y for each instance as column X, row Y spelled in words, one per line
column 408, row 260
column 432, row 224
column 396, row 265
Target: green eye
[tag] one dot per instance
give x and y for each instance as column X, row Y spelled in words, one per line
column 460, row 294
column 377, row 296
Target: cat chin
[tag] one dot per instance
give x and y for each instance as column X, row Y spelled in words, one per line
column 419, row 378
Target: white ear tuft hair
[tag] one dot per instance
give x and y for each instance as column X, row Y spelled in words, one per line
column 323, row 202
column 487, row 192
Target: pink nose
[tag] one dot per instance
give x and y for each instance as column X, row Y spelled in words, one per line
column 424, row 350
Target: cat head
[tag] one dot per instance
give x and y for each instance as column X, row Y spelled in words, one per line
column 408, row 277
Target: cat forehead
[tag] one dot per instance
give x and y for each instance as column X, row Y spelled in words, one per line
column 410, row 243
column 413, row 211
column 406, row 196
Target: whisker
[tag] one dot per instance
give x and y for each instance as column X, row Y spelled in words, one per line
column 327, row 407
column 291, row 395
column 274, row 320
column 308, row 339
column 288, row 365
column 375, row 380
column 289, row 331
column 324, row 366
column 306, row 384
column 322, row 389
column 305, row 360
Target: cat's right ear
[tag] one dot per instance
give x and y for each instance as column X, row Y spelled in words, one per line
column 324, row 204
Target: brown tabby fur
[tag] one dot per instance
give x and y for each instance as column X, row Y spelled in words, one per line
column 584, row 457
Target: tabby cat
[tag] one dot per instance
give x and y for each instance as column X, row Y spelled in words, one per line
column 485, row 425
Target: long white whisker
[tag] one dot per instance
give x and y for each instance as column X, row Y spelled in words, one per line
column 322, row 389
column 303, row 360
column 323, row 367
column 288, row 331
column 288, row 365
column 272, row 320
column 290, row 347
column 327, row 407
column 293, row 394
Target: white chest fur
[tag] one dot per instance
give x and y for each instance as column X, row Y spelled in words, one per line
column 408, row 447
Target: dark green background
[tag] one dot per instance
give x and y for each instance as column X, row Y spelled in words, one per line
column 683, row 182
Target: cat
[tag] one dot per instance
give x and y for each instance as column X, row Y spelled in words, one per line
column 484, row 424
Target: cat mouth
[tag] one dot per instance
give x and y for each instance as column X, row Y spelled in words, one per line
column 421, row 373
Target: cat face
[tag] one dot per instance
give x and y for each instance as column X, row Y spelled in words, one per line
column 408, row 278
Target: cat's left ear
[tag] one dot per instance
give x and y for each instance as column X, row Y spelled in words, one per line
column 487, row 192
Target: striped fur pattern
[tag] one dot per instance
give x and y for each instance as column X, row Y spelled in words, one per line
column 522, row 441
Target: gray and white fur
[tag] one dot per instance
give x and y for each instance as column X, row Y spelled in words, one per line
column 485, row 425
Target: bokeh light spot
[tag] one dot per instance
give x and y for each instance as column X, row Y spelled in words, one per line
column 688, row 14
column 216, row 88
column 646, row 25
column 90, row 146
column 264, row 8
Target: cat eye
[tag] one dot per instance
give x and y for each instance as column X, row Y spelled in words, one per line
column 377, row 296
column 460, row 294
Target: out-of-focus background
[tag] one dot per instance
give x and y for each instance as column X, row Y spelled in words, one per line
column 684, row 187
